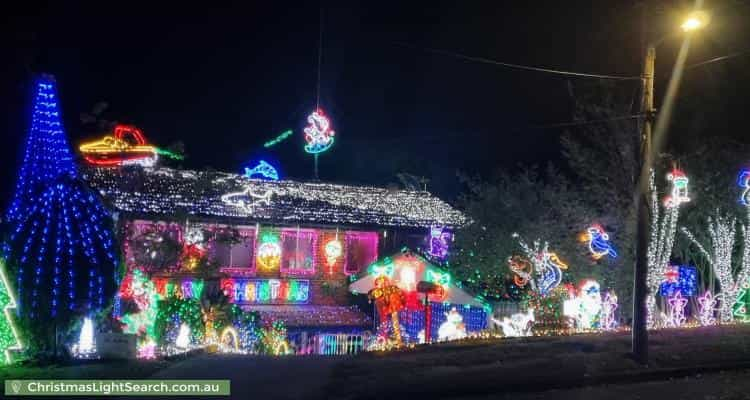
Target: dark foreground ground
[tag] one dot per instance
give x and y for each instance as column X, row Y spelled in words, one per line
column 705, row 363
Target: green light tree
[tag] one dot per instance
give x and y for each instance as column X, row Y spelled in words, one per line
column 9, row 340
column 740, row 307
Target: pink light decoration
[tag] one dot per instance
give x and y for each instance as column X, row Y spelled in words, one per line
column 187, row 289
column 707, row 305
column 676, row 316
column 361, row 250
column 609, row 305
column 294, row 242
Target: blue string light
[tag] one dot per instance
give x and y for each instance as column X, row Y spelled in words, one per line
column 60, row 229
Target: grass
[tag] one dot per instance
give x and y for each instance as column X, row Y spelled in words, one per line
column 492, row 365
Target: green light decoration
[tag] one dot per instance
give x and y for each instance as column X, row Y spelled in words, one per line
column 169, row 154
column 740, row 309
column 9, row 339
column 278, row 139
column 186, row 311
column 141, row 322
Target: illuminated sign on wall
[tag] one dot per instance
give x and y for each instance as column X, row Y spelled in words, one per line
column 268, row 291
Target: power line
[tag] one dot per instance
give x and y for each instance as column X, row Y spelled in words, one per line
column 713, row 60
column 516, row 66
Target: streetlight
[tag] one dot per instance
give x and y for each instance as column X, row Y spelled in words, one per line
column 693, row 22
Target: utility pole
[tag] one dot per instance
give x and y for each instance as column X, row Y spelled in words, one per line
column 640, row 289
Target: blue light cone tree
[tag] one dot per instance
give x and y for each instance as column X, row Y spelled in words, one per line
column 60, row 243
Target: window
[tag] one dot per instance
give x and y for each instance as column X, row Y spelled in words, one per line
column 234, row 256
column 298, row 251
column 361, row 250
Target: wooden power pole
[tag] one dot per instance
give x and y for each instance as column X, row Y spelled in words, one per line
column 640, row 288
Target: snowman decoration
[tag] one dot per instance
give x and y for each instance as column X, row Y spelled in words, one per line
column 453, row 328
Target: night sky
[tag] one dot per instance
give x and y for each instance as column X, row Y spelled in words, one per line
column 224, row 81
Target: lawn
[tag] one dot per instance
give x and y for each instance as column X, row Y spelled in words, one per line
column 496, row 365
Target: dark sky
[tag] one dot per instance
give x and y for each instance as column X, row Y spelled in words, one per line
column 226, row 80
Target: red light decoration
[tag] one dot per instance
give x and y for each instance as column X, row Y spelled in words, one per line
column 127, row 145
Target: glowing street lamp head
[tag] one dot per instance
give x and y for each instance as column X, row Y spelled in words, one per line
column 695, row 21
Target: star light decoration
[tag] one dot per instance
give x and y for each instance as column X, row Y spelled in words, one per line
column 166, row 191
column 663, row 230
column 318, row 134
column 546, row 266
column 707, row 305
column 676, row 310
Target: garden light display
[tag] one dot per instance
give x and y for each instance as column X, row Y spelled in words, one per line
column 9, row 339
column 598, row 242
column 229, row 340
column 439, row 241
column 608, row 321
column 86, row 347
column 663, row 229
column 707, row 305
column 453, row 328
column 519, row 324
column 522, row 269
column 125, row 146
column 318, row 134
column 183, row 338
column 547, row 266
column 679, row 192
column 683, row 279
column 676, row 310
column 147, row 350
column 586, row 305
column 743, row 181
column 263, row 170
column 722, row 233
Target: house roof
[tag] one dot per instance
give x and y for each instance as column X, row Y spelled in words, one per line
column 166, row 191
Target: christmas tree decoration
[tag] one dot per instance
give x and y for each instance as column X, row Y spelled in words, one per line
column 707, row 306
column 47, row 153
column 453, row 328
column 183, row 338
column 608, row 320
column 278, row 139
column 318, row 134
column 263, row 170
column 518, row 324
column 598, row 242
column 722, row 232
column 679, row 192
column 126, row 146
column 743, row 181
column 439, row 241
column 663, row 230
column 676, row 310
column 740, row 309
column 10, row 341
column 86, row 346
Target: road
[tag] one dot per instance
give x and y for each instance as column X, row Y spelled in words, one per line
column 716, row 386
column 255, row 377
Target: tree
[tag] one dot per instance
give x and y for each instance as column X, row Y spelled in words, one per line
column 529, row 203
